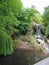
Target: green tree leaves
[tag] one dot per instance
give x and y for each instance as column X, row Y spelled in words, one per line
column 14, row 19
column 6, row 43
column 46, row 20
column 46, row 16
column 47, row 31
column 8, row 23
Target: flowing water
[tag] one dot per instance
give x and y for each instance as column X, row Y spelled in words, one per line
column 40, row 38
column 23, row 56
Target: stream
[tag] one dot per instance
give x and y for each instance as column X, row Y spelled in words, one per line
column 41, row 39
column 22, row 57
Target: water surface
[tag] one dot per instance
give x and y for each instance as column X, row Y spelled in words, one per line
column 22, row 57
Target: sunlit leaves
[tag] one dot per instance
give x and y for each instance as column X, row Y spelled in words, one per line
column 6, row 43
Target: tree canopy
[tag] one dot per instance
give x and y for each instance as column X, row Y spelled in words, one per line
column 46, row 20
column 8, row 12
column 46, row 16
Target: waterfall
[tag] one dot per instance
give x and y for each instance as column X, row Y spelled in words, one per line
column 40, row 38
column 38, row 29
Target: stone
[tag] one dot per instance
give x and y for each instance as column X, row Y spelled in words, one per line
column 43, row 62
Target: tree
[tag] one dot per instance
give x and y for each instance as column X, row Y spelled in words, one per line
column 27, row 16
column 47, row 31
column 46, row 16
column 46, row 20
column 37, row 18
column 6, row 6
column 9, row 9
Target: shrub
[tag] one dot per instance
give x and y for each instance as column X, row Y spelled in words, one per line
column 6, row 43
column 47, row 31
column 24, row 28
column 9, row 23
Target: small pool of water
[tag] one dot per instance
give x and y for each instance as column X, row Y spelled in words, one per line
column 22, row 57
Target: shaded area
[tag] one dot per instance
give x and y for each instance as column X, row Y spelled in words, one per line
column 22, row 57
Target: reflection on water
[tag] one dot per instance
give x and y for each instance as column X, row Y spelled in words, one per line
column 22, row 57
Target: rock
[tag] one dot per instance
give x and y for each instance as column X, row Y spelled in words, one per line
column 47, row 41
column 43, row 62
column 45, row 47
column 40, row 41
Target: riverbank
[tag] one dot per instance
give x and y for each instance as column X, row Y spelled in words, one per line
column 27, row 52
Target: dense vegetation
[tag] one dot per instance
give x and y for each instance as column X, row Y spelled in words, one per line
column 8, row 12
column 46, row 21
column 16, row 20
column 6, row 43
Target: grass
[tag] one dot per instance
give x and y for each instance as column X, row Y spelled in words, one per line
column 31, row 40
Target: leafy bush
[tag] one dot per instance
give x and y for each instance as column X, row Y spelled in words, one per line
column 46, row 16
column 47, row 31
column 9, row 11
column 9, row 23
column 6, row 43
column 23, row 28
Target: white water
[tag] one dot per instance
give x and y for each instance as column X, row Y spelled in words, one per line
column 44, row 45
column 40, row 39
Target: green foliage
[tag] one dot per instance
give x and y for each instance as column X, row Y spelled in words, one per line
column 23, row 28
column 26, row 17
column 10, row 5
column 37, row 18
column 46, row 20
column 8, row 19
column 15, row 6
column 47, row 31
column 9, row 9
column 6, row 43
column 14, row 19
column 46, row 16
column 9, row 23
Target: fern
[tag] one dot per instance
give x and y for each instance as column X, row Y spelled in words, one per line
column 6, row 43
